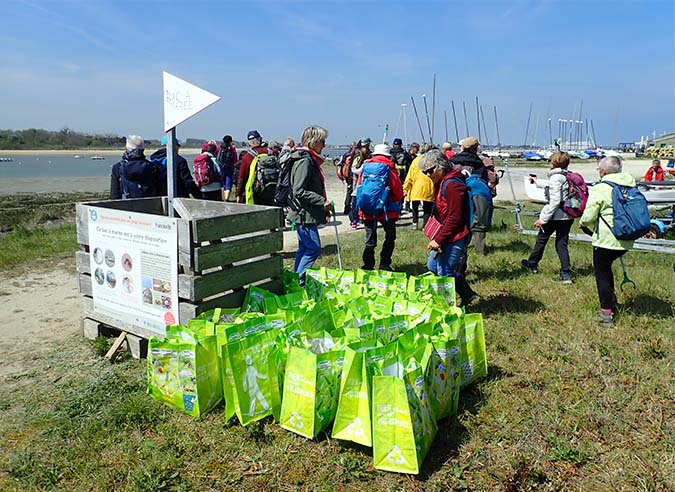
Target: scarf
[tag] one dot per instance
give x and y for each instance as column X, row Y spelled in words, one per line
column 318, row 160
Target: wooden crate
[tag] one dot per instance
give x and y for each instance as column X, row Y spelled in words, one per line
column 222, row 249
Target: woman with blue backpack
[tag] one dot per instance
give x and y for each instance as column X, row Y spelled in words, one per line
column 616, row 214
column 553, row 218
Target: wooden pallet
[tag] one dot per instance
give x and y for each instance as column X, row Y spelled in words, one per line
column 222, row 249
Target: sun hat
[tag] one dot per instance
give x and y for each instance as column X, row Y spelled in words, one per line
column 469, row 142
column 381, row 149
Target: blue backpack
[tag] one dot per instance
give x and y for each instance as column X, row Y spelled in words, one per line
column 631, row 214
column 373, row 193
column 480, row 203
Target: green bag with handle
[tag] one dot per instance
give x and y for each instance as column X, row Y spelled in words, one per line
column 310, row 390
column 443, row 376
column 403, row 422
column 471, row 335
column 352, row 418
column 183, row 369
column 259, row 300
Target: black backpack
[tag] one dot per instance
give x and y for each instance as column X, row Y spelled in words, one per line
column 283, row 196
column 225, row 157
column 267, row 170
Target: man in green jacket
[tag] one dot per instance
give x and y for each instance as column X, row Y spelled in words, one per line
column 606, row 248
column 308, row 189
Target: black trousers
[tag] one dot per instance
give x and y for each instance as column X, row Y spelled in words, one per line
column 427, row 207
column 604, row 278
column 389, row 227
column 562, row 236
column 348, row 198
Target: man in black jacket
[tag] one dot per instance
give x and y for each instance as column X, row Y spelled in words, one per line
column 185, row 184
column 134, row 176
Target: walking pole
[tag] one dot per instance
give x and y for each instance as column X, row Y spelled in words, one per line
column 419, row 125
column 454, row 116
column 337, row 236
column 517, row 204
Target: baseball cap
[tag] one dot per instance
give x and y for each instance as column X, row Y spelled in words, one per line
column 398, row 141
column 164, row 139
column 253, row 134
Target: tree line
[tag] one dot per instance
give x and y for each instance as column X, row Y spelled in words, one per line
column 67, row 139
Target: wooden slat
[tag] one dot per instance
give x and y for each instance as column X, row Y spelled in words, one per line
column 251, row 219
column 87, row 304
column 185, row 244
column 81, row 221
column 84, row 284
column 239, row 249
column 116, row 346
column 82, row 262
column 197, row 287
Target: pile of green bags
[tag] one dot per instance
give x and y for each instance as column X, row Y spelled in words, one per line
column 379, row 355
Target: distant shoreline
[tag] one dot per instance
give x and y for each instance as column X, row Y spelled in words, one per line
column 85, row 152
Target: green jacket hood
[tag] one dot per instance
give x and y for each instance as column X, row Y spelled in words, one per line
column 623, row 178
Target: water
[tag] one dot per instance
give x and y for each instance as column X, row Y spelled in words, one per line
column 50, row 172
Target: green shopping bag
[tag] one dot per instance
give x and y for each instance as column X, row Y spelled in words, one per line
column 248, row 377
column 352, row 418
column 290, row 281
column 183, row 370
column 259, row 300
column 310, row 390
column 443, row 376
column 471, row 335
column 403, row 424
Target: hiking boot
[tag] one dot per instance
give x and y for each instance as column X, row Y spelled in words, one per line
column 472, row 300
column 564, row 278
column 532, row 267
column 605, row 319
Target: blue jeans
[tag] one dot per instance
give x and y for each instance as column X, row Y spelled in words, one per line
column 309, row 248
column 451, row 262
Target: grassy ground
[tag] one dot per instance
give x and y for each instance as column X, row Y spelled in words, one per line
column 38, row 226
column 567, row 405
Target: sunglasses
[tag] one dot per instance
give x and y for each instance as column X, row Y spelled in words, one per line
column 429, row 172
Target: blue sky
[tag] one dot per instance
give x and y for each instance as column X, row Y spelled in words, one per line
column 96, row 65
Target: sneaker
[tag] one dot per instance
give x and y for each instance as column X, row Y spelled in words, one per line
column 606, row 319
column 564, row 278
column 414, row 226
column 532, row 267
column 354, row 225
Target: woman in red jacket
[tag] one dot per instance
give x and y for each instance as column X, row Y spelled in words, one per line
column 447, row 248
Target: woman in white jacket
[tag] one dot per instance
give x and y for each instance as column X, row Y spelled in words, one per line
column 553, row 219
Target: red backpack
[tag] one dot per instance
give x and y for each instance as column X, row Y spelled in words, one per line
column 575, row 203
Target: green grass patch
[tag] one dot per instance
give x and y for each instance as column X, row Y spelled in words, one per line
column 26, row 246
column 566, row 405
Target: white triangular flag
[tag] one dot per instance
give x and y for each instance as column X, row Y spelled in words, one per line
column 182, row 100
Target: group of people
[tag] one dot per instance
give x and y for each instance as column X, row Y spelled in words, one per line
column 381, row 183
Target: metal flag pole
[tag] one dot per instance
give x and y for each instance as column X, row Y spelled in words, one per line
column 417, row 116
column 454, row 117
column 499, row 139
column 170, row 169
column 426, row 111
column 466, row 120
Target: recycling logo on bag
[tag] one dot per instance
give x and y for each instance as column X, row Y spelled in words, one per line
column 395, row 456
column 355, row 427
column 296, row 420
